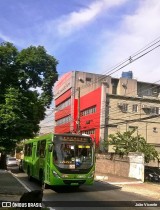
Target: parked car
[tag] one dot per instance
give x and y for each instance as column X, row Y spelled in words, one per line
column 11, row 161
column 152, row 174
column 21, row 165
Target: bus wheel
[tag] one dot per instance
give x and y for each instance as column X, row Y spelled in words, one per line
column 29, row 174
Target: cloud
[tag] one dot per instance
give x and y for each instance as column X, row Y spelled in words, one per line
column 135, row 32
column 5, row 37
column 52, row 32
column 118, row 35
column 76, row 20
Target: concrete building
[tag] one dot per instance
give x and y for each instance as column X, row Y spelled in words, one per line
column 107, row 105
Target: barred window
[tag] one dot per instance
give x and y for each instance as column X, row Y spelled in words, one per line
column 154, row 110
column 64, row 104
column 63, row 120
column 92, row 131
column 124, row 108
column 88, row 111
column 134, row 108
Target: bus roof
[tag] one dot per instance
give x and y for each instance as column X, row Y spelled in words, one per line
column 46, row 136
column 50, row 135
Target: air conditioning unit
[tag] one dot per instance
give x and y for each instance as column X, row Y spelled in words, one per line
column 144, row 106
column 120, row 104
column 155, row 92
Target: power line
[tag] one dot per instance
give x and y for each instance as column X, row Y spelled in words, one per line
column 131, row 59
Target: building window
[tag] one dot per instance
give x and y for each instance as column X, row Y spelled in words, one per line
column 64, row 104
column 124, row 108
column 92, row 131
column 88, row 79
column 88, row 111
column 154, row 110
column 63, row 120
column 134, row 108
column 151, row 110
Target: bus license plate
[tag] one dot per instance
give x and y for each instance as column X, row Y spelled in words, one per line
column 74, row 184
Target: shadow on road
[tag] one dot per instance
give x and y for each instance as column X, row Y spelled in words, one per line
column 96, row 187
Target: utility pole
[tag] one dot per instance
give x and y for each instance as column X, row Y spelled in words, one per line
column 78, row 120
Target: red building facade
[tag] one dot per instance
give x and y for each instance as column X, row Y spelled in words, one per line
column 66, row 104
column 90, row 105
column 105, row 103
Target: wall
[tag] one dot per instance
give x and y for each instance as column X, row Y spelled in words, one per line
column 96, row 80
column 117, row 166
column 126, row 120
column 127, row 87
column 131, row 166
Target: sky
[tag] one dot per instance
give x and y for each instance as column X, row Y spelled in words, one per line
column 87, row 35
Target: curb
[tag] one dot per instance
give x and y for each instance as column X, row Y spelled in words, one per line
column 105, row 179
column 120, row 183
column 123, row 183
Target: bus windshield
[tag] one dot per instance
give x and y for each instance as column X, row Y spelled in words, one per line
column 73, row 156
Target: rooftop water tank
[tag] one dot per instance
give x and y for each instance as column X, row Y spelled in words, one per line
column 127, row 74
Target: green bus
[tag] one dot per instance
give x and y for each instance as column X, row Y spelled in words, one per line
column 60, row 159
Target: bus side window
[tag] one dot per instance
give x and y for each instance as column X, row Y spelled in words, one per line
column 28, row 149
column 42, row 148
column 38, row 148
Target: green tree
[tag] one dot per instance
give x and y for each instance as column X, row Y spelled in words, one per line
column 128, row 142
column 26, row 81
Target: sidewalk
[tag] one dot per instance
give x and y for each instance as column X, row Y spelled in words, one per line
column 149, row 189
column 10, row 188
column 113, row 179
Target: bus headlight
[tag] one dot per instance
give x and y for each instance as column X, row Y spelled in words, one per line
column 56, row 175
